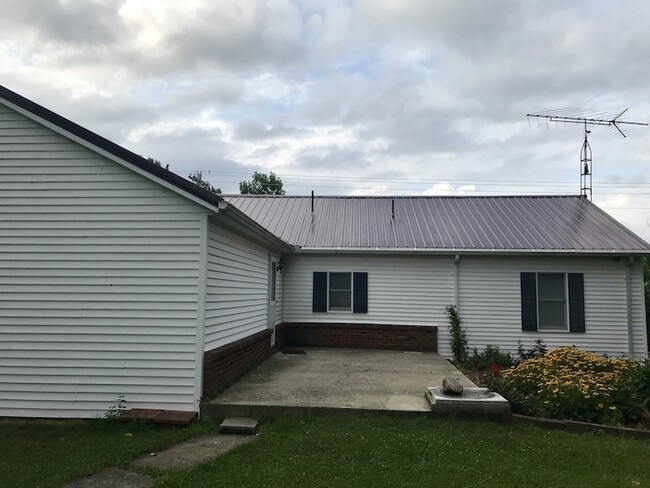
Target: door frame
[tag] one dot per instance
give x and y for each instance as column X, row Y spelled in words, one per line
column 272, row 295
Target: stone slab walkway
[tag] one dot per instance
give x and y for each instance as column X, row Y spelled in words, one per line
column 181, row 456
column 193, row 452
column 113, row 478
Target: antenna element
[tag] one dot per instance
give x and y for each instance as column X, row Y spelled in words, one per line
column 586, row 118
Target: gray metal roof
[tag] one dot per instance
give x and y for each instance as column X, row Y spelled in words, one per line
column 504, row 223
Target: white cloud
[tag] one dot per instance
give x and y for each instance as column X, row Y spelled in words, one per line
column 375, row 190
column 268, row 86
column 444, row 188
column 176, row 127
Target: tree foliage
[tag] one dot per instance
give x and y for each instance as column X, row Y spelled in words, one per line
column 262, row 184
column 197, row 179
column 156, row 162
column 457, row 336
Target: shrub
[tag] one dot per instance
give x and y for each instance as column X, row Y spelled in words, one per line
column 567, row 383
column 491, row 358
column 641, row 384
column 537, row 351
column 458, row 339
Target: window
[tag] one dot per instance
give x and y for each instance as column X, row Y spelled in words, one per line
column 552, row 302
column 340, row 292
column 337, row 291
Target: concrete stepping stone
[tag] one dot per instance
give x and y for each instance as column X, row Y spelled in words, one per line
column 239, row 425
column 195, row 451
column 113, row 478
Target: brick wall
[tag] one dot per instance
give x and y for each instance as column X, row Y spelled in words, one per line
column 223, row 366
column 368, row 336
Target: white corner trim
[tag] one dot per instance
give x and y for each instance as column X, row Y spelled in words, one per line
column 200, row 313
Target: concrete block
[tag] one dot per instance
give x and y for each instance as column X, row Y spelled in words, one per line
column 239, row 425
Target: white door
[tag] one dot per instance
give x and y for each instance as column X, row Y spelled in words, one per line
column 273, row 275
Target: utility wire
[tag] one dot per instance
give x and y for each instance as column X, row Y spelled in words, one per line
column 418, row 184
column 421, row 181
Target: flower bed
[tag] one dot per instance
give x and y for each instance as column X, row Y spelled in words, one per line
column 567, row 383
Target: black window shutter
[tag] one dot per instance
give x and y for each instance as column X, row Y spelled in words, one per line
column 360, row 293
column 576, row 302
column 319, row 295
column 528, row 302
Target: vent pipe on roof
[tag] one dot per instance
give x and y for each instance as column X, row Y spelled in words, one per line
column 312, row 206
column 392, row 208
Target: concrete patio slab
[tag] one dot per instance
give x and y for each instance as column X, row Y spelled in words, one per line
column 334, row 380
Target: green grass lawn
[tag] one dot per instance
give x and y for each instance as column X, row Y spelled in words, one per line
column 47, row 454
column 340, row 451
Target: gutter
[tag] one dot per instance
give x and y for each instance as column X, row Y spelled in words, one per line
column 468, row 252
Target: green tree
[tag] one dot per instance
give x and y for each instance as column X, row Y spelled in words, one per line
column 262, row 184
column 197, row 179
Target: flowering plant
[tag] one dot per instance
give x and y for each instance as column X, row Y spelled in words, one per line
column 493, row 368
column 568, row 383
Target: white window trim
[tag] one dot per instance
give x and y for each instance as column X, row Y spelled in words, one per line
column 329, row 310
column 566, row 301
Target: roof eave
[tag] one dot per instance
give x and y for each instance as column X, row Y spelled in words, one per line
column 250, row 224
column 473, row 252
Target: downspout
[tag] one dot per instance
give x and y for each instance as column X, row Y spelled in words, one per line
column 628, row 289
column 456, row 279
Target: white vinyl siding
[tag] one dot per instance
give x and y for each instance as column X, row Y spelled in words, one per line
column 414, row 290
column 640, row 341
column 409, row 290
column 98, row 281
column 237, row 287
column 490, row 304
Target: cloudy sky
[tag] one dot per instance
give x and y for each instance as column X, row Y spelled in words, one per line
column 350, row 97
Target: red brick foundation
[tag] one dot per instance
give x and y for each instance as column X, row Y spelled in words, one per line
column 367, row 336
column 223, row 366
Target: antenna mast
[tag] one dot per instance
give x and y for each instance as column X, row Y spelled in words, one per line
column 586, row 118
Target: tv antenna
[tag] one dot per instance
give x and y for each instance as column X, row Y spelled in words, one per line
column 587, row 118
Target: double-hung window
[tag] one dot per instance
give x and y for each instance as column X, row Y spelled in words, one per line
column 340, row 291
column 552, row 302
column 552, row 309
